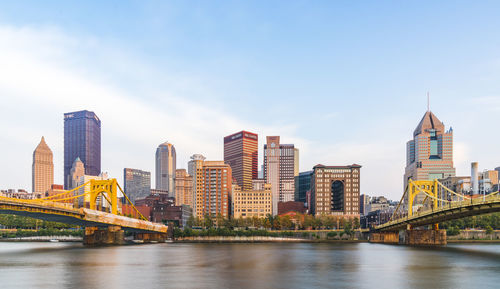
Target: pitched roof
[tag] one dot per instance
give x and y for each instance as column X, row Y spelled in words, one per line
column 429, row 121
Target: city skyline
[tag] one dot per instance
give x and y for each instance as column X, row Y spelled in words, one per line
column 213, row 90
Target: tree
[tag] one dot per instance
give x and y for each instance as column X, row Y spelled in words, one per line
column 489, row 230
column 190, row 221
column 356, row 223
column 219, row 220
column 207, row 221
column 348, row 230
column 308, row 221
column 267, row 224
column 286, row 222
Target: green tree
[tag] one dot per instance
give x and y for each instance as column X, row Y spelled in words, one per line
column 207, row 221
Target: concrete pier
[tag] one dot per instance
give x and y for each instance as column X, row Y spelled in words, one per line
column 411, row 237
column 151, row 237
column 95, row 236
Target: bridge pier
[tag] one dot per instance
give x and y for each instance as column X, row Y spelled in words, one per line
column 151, row 237
column 112, row 235
column 411, row 237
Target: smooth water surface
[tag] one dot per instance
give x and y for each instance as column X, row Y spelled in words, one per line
column 268, row 265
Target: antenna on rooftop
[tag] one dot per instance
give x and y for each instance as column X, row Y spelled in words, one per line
column 428, row 102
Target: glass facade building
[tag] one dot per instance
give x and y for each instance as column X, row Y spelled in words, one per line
column 302, row 186
column 82, row 139
column 137, row 184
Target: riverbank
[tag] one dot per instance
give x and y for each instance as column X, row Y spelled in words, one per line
column 258, row 239
column 43, row 239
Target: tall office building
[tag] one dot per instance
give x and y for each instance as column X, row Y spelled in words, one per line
column 295, row 162
column 302, row 186
column 213, row 193
column 241, row 153
column 335, row 190
column 429, row 155
column 42, row 170
column 183, row 188
column 137, row 184
column 195, row 166
column 82, row 139
column 279, row 170
column 165, row 168
column 76, row 172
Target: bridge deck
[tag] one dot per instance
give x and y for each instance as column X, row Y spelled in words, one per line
column 64, row 213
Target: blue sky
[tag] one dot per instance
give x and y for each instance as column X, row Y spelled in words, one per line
column 345, row 81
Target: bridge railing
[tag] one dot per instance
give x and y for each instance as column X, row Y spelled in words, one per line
column 480, row 200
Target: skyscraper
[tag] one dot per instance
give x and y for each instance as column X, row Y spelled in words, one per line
column 241, row 153
column 279, row 170
column 82, row 139
column 429, row 155
column 136, row 183
column 165, row 168
column 42, row 170
column 195, row 166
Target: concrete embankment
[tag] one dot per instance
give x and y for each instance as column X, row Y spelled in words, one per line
column 468, row 236
column 43, row 239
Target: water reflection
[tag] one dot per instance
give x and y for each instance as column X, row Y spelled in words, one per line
column 59, row 265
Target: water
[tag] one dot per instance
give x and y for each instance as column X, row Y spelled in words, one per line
column 269, row 265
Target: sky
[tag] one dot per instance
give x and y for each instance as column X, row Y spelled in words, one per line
column 345, row 81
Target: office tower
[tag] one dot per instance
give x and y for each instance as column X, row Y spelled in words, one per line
column 335, row 190
column 253, row 203
column 42, row 170
column 165, row 168
column 195, row 166
column 279, row 169
column 241, row 153
column 136, row 183
column 213, row 189
column 183, row 188
column 82, row 139
column 302, row 186
column 295, row 162
column 429, row 155
column 76, row 173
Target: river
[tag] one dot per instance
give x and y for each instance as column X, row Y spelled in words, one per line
column 265, row 265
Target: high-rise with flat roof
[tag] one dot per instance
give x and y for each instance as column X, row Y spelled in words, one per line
column 195, row 170
column 82, row 139
column 137, row 183
column 165, row 168
column 42, row 170
column 279, row 170
column 214, row 189
column 335, row 190
column 302, row 186
column 241, row 153
column 183, row 188
column 429, row 155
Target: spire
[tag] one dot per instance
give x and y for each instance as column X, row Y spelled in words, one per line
column 428, row 102
column 42, row 146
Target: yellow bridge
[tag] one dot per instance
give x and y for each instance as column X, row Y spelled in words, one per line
column 94, row 205
column 427, row 203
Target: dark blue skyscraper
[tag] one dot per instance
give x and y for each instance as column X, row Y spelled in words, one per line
column 82, row 138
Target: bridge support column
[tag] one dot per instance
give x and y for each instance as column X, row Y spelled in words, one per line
column 151, row 237
column 425, row 237
column 384, row 237
column 112, row 235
